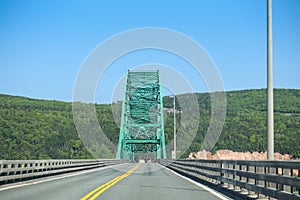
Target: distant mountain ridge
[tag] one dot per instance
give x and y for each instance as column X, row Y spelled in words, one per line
column 44, row 129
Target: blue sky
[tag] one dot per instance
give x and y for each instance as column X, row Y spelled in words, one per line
column 44, row 43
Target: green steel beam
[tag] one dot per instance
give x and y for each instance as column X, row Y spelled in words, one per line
column 142, row 124
column 142, row 141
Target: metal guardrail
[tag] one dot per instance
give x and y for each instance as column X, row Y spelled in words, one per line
column 256, row 179
column 19, row 170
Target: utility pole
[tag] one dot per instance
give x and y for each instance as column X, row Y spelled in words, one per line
column 174, row 111
column 270, row 82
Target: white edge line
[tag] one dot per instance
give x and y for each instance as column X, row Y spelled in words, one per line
column 59, row 177
column 198, row 184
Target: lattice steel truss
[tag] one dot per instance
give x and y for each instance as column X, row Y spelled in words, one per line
column 142, row 123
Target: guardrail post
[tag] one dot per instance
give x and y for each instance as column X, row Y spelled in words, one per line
column 221, row 173
column 234, row 175
column 286, row 172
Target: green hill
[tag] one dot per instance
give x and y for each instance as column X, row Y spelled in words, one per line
column 43, row 129
column 245, row 127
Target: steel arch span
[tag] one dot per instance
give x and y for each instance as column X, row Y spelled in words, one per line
column 142, row 121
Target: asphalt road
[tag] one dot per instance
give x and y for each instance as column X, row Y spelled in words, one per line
column 146, row 181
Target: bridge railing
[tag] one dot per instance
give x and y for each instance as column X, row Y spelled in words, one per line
column 275, row 179
column 19, row 170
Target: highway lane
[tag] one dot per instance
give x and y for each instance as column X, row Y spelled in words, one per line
column 154, row 182
column 148, row 181
column 73, row 187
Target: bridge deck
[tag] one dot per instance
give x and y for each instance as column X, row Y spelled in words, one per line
column 149, row 181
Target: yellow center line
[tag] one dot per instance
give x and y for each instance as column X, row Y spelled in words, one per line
column 98, row 191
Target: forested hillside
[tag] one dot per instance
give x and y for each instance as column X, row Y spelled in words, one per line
column 37, row 129
column 43, row 129
column 245, row 126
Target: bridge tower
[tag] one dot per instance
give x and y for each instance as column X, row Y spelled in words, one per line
column 142, row 122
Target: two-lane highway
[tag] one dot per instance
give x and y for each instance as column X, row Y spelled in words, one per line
column 127, row 182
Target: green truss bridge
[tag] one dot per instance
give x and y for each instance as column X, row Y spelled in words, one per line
column 142, row 121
